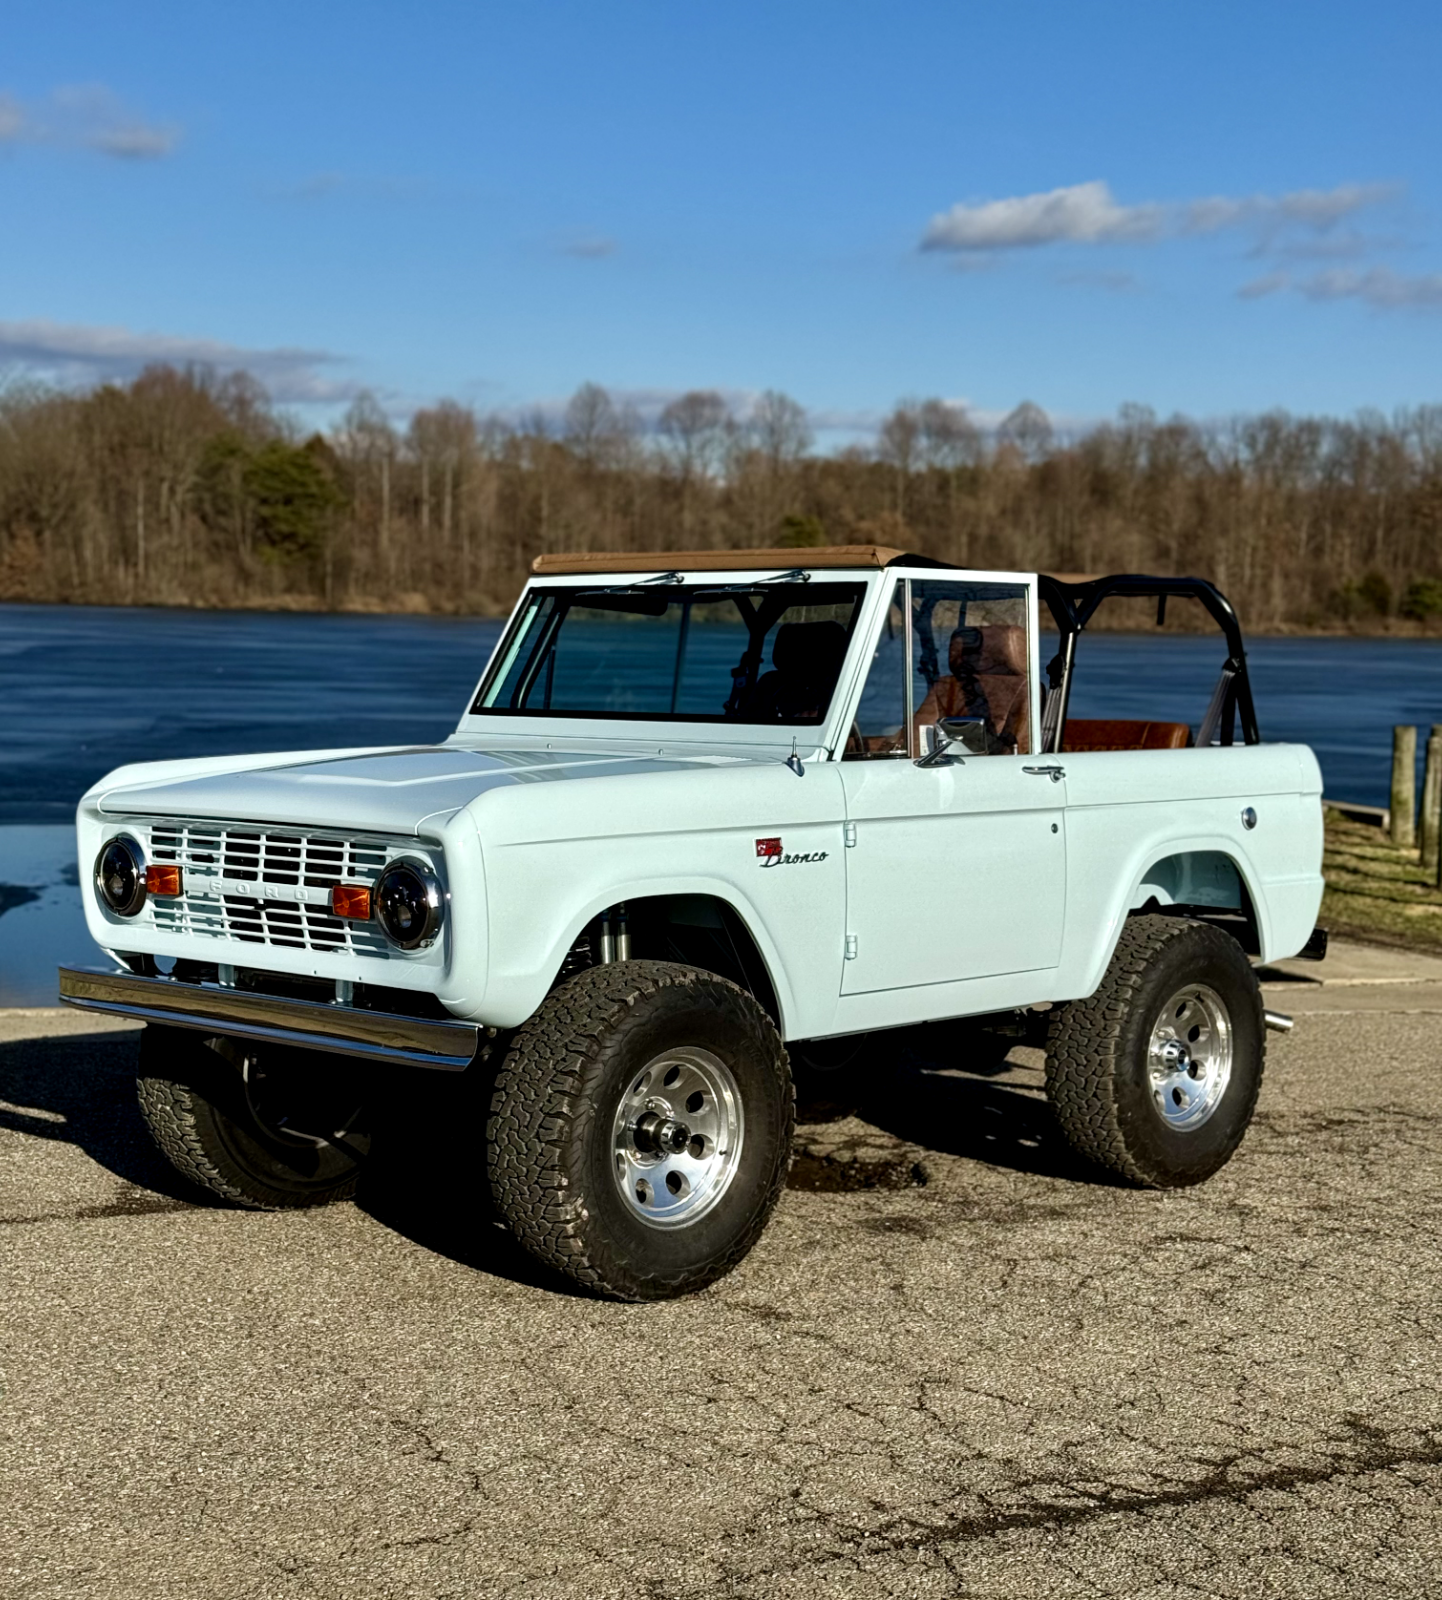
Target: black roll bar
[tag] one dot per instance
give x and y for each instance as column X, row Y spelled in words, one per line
column 1073, row 603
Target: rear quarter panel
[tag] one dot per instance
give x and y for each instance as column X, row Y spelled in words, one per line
column 1128, row 810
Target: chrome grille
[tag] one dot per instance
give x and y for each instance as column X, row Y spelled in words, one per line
column 266, row 887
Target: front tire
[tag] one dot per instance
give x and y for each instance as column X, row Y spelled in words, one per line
column 640, row 1129
column 1155, row 1076
column 259, row 1126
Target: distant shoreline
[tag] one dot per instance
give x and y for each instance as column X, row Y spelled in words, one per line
column 371, row 606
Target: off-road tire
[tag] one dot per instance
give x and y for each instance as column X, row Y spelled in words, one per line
column 552, row 1110
column 1097, row 1055
column 193, row 1098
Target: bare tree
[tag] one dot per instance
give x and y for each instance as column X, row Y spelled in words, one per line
column 698, row 429
column 182, row 487
column 1028, row 431
column 898, row 444
column 778, row 430
column 948, row 437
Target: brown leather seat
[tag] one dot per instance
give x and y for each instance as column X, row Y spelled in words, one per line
column 988, row 678
column 1119, row 734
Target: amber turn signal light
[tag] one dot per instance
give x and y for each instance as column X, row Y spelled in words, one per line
column 162, row 879
column 351, row 900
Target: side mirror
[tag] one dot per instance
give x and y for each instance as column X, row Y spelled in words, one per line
column 970, row 733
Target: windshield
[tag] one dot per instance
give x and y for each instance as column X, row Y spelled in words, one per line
column 736, row 652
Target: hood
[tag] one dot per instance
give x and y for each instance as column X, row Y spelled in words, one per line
column 387, row 791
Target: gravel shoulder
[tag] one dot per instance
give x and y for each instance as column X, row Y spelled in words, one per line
column 955, row 1365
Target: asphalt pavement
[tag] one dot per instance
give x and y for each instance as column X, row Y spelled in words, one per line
column 955, row 1365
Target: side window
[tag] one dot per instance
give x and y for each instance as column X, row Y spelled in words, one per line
column 880, row 728
column 970, row 659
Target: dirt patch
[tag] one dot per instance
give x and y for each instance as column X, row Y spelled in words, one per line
column 828, row 1175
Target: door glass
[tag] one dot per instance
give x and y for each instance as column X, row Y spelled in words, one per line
column 880, row 728
column 970, row 659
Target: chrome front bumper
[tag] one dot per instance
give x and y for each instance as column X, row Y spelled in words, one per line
column 241, row 1014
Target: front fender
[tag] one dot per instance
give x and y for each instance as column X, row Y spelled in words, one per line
column 514, row 991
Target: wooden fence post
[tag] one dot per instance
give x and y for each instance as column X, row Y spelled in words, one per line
column 1404, row 786
column 1432, row 798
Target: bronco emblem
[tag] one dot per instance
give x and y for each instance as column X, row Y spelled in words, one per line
column 772, row 855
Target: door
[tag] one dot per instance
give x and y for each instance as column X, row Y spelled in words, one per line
column 958, row 868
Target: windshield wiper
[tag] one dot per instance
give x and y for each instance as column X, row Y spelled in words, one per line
column 665, row 579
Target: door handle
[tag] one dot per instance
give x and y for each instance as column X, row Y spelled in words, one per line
column 1056, row 774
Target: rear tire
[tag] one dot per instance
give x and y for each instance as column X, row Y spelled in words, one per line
column 260, row 1126
column 640, row 1129
column 1155, row 1076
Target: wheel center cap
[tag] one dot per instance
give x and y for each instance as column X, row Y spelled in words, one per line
column 1176, row 1055
column 655, row 1134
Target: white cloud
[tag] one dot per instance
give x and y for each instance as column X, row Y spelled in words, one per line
column 1270, row 283
column 77, row 353
column 1085, row 213
column 1088, row 213
column 1379, row 287
column 89, row 117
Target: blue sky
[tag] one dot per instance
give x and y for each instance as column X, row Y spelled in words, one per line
column 1210, row 208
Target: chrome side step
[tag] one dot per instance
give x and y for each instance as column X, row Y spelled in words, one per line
column 304, row 1024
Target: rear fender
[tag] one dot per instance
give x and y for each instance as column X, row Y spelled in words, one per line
column 1203, row 871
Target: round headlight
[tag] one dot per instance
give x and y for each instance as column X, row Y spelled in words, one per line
column 409, row 904
column 120, row 875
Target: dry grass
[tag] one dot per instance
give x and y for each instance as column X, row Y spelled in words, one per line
column 1376, row 891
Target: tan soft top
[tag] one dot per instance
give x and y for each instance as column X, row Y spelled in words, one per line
column 598, row 561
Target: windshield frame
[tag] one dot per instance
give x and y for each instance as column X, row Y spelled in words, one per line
column 548, row 731
column 755, row 624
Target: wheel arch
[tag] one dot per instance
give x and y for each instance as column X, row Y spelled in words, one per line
column 702, row 923
column 1204, row 877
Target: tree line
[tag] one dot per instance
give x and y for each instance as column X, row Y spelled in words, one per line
column 184, row 487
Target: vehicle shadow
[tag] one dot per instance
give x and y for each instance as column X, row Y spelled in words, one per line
column 426, row 1179
column 918, row 1086
column 958, row 1114
column 80, row 1089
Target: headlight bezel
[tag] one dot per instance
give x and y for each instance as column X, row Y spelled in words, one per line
column 135, row 902
column 432, row 897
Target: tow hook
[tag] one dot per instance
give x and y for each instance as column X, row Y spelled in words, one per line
column 1277, row 1021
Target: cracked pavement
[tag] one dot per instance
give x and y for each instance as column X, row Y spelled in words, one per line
column 956, row 1365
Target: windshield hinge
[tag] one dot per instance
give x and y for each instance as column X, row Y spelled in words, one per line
column 662, row 577
column 851, row 942
column 796, row 575
column 848, row 833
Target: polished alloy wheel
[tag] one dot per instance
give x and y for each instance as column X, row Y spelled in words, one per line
column 676, row 1138
column 1189, row 1058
